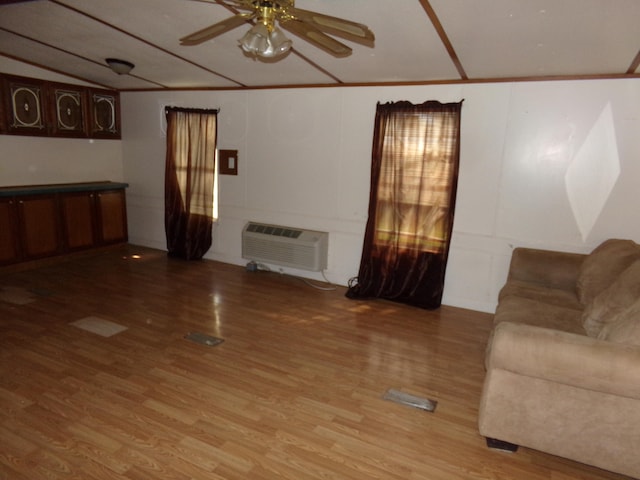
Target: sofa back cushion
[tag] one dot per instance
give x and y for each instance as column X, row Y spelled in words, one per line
column 614, row 299
column 625, row 327
column 603, row 266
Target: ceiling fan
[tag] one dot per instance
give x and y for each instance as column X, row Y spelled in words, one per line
column 265, row 39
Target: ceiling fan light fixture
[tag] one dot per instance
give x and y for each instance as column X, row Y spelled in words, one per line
column 121, row 67
column 265, row 39
column 265, row 42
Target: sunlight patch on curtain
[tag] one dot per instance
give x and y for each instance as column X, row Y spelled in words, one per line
column 195, row 143
column 410, row 216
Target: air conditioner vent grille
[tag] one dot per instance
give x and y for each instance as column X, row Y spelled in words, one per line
column 273, row 230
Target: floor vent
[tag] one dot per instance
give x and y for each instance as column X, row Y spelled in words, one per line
column 286, row 246
column 410, row 400
column 203, row 339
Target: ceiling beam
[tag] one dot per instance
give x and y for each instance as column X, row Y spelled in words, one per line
column 444, row 38
column 635, row 64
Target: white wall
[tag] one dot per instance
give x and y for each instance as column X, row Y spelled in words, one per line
column 26, row 160
column 547, row 164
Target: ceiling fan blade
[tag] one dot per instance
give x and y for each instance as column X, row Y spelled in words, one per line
column 216, row 29
column 314, row 36
column 346, row 29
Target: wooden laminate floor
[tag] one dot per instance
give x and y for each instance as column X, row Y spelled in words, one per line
column 294, row 391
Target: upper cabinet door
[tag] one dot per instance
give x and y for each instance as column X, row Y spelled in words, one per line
column 105, row 113
column 68, row 107
column 24, row 106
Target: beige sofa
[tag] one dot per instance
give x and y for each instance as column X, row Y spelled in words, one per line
column 563, row 361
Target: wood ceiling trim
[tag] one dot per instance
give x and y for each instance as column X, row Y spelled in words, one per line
column 444, row 38
column 635, row 64
column 416, row 83
column 140, row 39
column 316, row 66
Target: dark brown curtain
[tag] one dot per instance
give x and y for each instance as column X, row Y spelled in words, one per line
column 189, row 181
column 414, row 176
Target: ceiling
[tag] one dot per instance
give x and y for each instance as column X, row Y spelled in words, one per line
column 417, row 41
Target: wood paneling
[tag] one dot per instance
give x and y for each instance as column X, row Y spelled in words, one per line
column 294, row 391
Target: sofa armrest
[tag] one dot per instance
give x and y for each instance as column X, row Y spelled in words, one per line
column 567, row 358
column 545, row 267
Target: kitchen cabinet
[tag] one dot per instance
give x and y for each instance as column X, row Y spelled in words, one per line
column 30, row 106
column 43, row 221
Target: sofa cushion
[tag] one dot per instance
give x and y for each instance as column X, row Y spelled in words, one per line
column 618, row 296
column 557, row 270
column 625, row 327
column 531, row 312
column 602, row 266
column 553, row 296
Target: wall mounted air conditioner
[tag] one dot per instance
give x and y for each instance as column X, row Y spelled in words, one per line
column 287, row 246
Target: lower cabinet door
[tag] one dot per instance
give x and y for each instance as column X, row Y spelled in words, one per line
column 112, row 216
column 9, row 239
column 40, row 225
column 78, row 219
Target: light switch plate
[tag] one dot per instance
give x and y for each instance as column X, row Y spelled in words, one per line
column 228, row 162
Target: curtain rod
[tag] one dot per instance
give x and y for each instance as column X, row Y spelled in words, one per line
column 168, row 109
